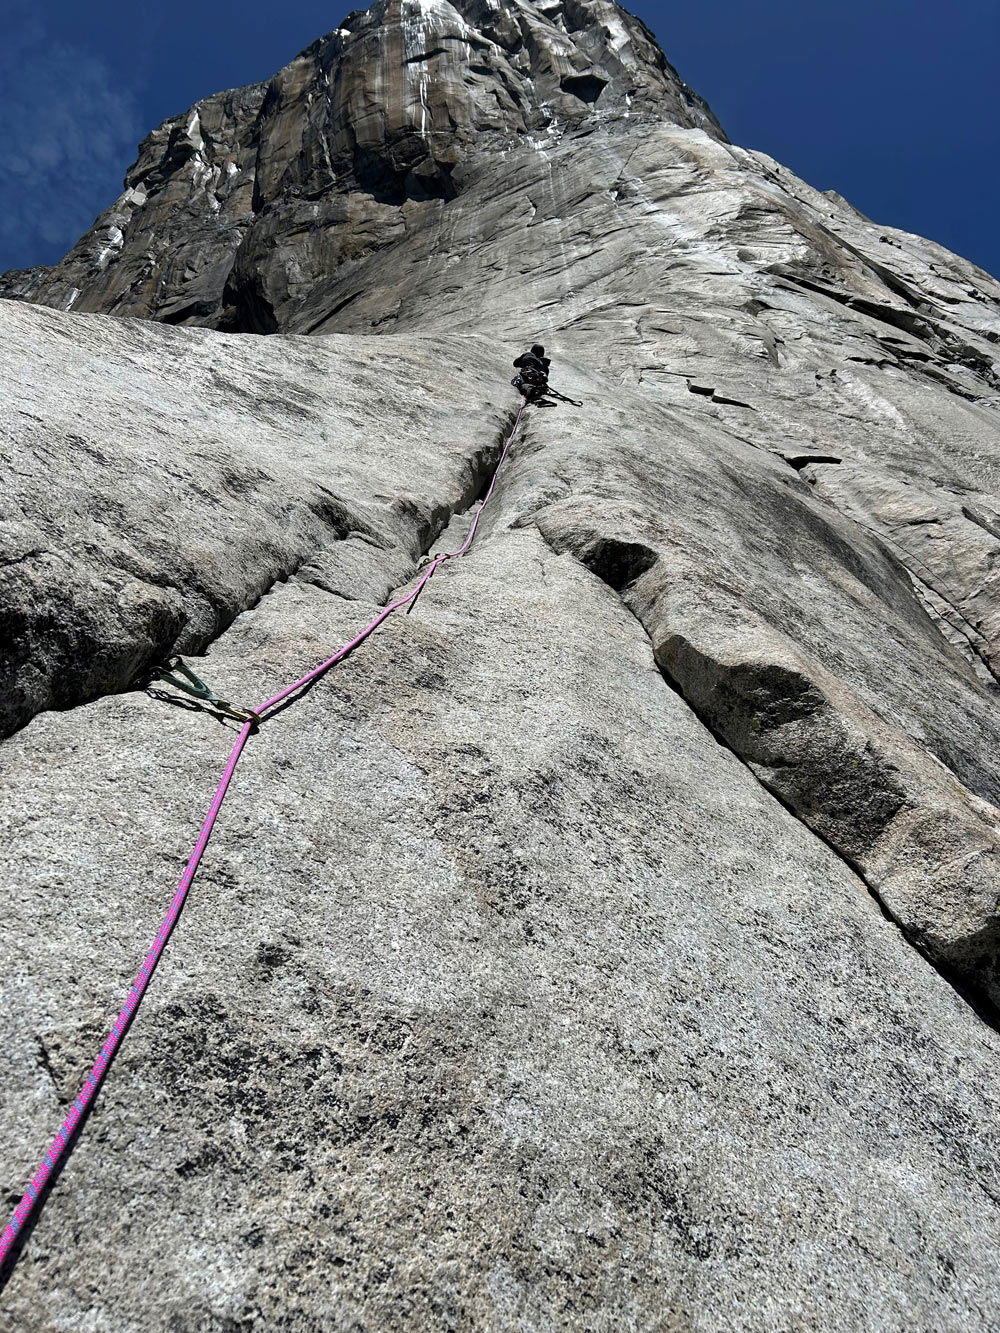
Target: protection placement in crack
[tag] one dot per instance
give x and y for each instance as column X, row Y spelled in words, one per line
column 250, row 720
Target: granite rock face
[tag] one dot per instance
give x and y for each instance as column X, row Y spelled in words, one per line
column 235, row 210
column 158, row 487
column 612, row 943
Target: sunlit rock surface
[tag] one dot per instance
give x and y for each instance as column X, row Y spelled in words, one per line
column 236, row 209
column 612, row 943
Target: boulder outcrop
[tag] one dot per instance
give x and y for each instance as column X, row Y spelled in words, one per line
column 613, row 942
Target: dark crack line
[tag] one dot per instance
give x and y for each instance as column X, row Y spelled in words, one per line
column 483, row 473
column 983, row 1008
column 12, row 561
column 484, row 463
column 45, row 1062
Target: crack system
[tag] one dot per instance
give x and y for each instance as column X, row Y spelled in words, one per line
column 617, row 564
column 982, row 1006
column 129, row 663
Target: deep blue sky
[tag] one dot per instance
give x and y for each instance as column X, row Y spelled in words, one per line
column 891, row 102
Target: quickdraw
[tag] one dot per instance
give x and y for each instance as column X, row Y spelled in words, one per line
column 554, row 393
column 197, row 688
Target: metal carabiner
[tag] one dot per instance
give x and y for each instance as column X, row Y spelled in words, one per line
column 197, row 688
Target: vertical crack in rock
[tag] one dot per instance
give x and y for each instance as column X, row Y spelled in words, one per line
column 953, row 626
column 359, row 570
column 45, row 1062
column 927, row 849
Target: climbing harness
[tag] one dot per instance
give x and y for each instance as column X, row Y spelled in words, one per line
column 250, row 719
column 199, row 690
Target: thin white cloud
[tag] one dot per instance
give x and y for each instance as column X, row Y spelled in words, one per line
column 69, row 135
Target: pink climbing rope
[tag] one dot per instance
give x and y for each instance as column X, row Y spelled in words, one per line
column 50, row 1162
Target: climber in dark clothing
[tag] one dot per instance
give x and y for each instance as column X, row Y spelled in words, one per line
column 532, row 379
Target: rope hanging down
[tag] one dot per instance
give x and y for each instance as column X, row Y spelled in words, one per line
column 119, row 1028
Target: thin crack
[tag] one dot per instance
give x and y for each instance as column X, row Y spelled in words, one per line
column 45, row 1062
column 975, row 638
column 9, row 563
column 484, row 464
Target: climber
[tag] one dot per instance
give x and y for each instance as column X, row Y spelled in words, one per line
column 532, row 379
